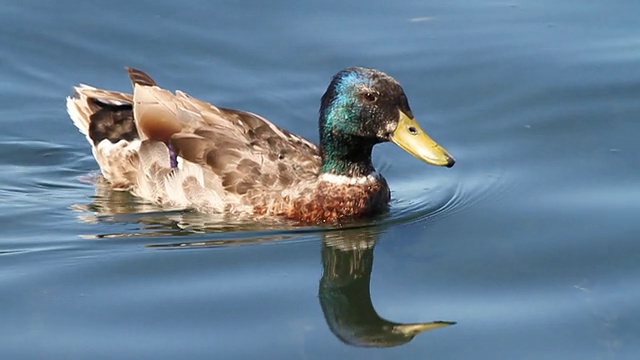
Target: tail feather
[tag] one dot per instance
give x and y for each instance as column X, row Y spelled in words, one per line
column 79, row 111
column 105, row 118
column 142, row 164
column 140, row 77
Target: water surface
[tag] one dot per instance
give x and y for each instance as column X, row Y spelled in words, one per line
column 529, row 243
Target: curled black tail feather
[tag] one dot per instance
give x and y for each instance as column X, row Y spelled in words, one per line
column 140, row 77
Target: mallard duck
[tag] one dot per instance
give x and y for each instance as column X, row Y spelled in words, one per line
column 181, row 152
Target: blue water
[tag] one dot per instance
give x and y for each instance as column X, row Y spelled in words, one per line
column 529, row 243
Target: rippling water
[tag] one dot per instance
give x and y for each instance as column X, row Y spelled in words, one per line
column 529, row 244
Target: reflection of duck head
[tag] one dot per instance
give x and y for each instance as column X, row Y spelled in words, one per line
column 347, row 258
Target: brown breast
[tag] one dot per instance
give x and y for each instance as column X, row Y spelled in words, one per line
column 333, row 203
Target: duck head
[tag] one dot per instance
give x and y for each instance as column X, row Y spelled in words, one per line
column 363, row 107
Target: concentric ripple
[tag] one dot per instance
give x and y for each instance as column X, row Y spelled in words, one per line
column 412, row 204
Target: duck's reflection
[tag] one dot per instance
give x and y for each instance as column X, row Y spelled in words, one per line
column 345, row 298
column 347, row 259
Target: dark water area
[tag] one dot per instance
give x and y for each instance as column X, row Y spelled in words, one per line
column 530, row 243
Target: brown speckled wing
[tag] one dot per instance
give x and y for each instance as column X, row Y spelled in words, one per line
column 250, row 155
column 247, row 153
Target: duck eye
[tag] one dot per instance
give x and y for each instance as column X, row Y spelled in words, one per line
column 370, row 97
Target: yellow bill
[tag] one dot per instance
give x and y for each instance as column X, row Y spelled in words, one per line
column 409, row 136
column 415, row 328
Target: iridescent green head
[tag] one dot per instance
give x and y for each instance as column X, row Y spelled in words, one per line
column 363, row 107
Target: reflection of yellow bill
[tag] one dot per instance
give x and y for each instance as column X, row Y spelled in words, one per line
column 415, row 328
column 409, row 136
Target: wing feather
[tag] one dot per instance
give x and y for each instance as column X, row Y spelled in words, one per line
column 229, row 158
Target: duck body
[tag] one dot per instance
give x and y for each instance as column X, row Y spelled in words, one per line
column 181, row 152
